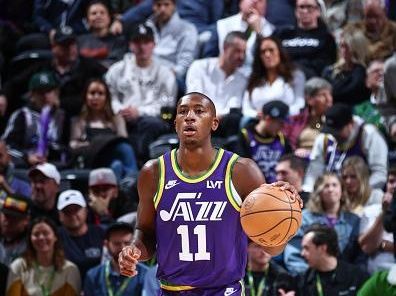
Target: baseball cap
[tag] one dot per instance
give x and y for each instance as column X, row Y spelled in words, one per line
column 102, row 176
column 64, row 35
column 337, row 116
column 43, row 80
column 141, row 31
column 71, row 197
column 118, row 226
column 48, row 170
column 16, row 205
column 276, row 109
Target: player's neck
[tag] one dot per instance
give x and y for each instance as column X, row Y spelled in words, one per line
column 194, row 162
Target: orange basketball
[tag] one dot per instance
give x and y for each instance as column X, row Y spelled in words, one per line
column 270, row 216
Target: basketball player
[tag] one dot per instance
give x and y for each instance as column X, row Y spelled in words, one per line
column 189, row 209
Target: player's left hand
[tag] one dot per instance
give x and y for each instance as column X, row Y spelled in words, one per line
column 287, row 186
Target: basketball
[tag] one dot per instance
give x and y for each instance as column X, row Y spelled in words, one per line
column 270, row 216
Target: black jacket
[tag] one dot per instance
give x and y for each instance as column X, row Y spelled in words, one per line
column 345, row 280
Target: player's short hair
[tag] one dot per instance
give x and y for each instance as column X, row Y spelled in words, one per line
column 296, row 163
column 202, row 96
column 230, row 37
column 324, row 235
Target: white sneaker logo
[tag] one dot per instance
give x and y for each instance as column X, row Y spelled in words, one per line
column 229, row 291
column 171, row 183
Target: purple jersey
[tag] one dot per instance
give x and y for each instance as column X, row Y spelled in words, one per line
column 200, row 241
column 335, row 154
column 265, row 152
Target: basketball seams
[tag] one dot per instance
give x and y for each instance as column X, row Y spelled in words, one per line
column 274, row 196
column 266, row 206
column 270, row 210
column 280, row 222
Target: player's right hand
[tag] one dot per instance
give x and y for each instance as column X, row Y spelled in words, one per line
column 128, row 259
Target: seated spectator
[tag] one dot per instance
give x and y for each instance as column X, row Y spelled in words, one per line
column 309, row 43
column 263, row 141
column 43, row 270
column 271, row 79
column 342, row 136
column 99, row 136
column 380, row 32
column 106, row 200
column 14, row 220
column 140, row 86
column 327, row 274
column 326, row 206
column 380, row 283
column 374, row 240
column 49, row 15
column 9, row 183
column 106, row 277
column 355, row 183
column 377, row 109
column 249, row 20
column 100, row 43
column 222, row 79
column 35, row 133
column 291, row 168
column 303, row 128
column 82, row 241
column 348, row 75
column 202, row 14
column 264, row 276
column 72, row 71
column 176, row 39
column 45, row 182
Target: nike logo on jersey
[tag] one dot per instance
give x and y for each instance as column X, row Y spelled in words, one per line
column 229, row 291
column 171, row 183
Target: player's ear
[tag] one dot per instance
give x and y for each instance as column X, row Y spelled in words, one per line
column 215, row 124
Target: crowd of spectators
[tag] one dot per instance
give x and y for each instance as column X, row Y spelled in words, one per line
column 88, row 92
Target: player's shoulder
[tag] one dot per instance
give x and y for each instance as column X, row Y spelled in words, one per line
column 149, row 171
column 244, row 164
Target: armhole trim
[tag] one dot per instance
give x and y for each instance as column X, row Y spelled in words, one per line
column 161, row 181
column 231, row 192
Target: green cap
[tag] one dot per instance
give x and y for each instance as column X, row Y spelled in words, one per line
column 43, row 81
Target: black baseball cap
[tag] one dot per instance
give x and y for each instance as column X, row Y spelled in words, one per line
column 337, row 116
column 276, row 109
column 141, row 32
column 64, row 35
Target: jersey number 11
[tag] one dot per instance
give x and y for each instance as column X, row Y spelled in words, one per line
column 185, row 254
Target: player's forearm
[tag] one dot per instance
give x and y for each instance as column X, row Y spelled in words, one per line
column 146, row 243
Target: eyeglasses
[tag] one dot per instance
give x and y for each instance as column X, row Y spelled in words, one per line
column 307, row 7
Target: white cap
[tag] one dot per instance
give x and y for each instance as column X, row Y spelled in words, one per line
column 71, row 197
column 48, row 170
column 102, row 176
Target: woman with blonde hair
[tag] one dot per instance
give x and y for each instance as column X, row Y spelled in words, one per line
column 43, row 269
column 348, row 74
column 357, row 191
column 326, row 206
